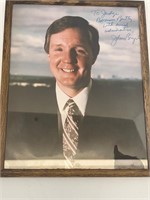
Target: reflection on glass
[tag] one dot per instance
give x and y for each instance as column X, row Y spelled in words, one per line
column 112, row 133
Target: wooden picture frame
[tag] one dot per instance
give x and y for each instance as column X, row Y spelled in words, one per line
column 119, row 27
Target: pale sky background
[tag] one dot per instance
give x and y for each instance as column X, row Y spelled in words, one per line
column 119, row 60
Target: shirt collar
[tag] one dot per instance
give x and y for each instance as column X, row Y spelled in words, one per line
column 80, row 99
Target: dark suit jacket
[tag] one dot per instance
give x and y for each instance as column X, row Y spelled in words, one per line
column 37, row 135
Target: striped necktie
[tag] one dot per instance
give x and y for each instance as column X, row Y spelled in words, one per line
column 71, row 132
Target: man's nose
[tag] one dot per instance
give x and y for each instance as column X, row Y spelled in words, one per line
column 69, row 56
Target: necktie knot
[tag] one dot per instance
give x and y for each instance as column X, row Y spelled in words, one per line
column 70, row 102
column 73, row 108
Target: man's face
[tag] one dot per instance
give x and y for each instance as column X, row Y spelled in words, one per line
column 70, row 58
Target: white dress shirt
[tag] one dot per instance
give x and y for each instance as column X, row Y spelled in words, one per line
column 80, row 100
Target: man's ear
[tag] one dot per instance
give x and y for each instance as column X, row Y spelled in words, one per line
column 48, row 57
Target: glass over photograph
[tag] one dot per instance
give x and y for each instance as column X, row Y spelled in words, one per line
column 75, row 89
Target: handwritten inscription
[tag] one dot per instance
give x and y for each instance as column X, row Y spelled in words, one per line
column 120, row 26
column 103, row 13
column 128, row 37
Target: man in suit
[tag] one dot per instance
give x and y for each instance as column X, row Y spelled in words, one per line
column 74, row 128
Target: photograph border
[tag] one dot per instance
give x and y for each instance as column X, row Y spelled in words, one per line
column 5, row 88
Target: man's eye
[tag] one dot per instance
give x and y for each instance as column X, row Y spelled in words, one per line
column 81, row 51
column 58, row 49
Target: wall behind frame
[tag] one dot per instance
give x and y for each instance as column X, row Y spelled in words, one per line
column 73, row 188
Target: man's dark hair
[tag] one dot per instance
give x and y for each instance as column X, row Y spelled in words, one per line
column 63, row 23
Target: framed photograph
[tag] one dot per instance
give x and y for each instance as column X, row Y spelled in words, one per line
column 75, row 89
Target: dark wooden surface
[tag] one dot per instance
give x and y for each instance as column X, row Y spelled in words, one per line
column 82, row 2
column 5, row 83
column 74, row 173
column 145, row 73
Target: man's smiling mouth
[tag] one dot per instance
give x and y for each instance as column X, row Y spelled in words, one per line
column 68, row 70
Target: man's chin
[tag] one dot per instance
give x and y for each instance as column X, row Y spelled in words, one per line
column 74, row 86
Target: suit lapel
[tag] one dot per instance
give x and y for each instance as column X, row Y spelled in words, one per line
column 90, row 113
column 56, row 126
